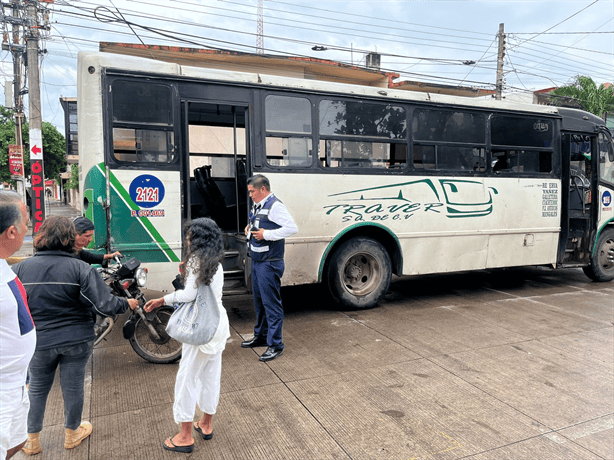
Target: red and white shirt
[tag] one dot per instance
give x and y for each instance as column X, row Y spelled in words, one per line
column 17, row 331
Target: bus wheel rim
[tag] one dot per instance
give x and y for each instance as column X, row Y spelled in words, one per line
column 361, row 274
column 606, row 255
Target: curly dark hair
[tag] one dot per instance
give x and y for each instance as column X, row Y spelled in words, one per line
column 204, row 249
column 57, row 233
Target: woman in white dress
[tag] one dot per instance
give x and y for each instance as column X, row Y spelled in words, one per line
column 200, row 369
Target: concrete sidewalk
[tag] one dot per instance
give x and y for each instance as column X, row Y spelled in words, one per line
column 480, row 366
column 502, row 365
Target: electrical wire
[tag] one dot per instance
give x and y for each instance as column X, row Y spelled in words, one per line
column 577, row 59
column 113, row 19
column 388, row 20
column 542, row 59
column 338, row 31
column 237, row 44
column 336, row 20
column 522, row 57
column 559, row 23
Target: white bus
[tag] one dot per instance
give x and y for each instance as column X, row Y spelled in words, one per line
column 379, row 182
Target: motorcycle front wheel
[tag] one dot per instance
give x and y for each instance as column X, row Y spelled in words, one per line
column 163, row 351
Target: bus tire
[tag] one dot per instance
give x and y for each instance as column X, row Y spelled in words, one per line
column 602, row 260
column 359, row 273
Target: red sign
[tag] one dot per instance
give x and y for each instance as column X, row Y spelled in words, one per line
column 38, row 192
column 16, row 160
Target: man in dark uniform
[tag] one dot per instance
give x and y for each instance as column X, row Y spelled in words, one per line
column 270, row 224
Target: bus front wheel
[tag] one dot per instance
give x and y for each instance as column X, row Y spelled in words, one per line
column 359, row 273
column 602, row 260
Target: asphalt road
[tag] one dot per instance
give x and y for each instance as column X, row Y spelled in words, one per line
column 512, row 364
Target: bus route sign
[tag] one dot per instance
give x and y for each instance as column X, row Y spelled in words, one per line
column 146, row 191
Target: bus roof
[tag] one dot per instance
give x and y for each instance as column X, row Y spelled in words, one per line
column 579, row 120
column 151, row 66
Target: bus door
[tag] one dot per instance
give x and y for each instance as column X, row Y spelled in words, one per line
column 216, row 171
column 606, row 181
column 580, row 182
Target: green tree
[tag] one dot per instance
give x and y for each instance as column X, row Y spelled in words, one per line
column 593, row 99
column 54, row 147
column 7, row 137
column 74, row 177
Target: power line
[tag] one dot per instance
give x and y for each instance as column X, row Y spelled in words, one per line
column 370, row 18
column 564, row 33
column 338, row 30
column 559, row 23
column 561, row 65
column 312, row 22
column 114, row 19
column 178, row 38
column 235, row 31
column 572, row 59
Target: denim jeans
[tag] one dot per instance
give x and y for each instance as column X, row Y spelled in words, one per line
column 72, row 361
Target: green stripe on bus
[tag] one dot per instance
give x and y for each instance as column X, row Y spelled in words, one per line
column 120, row 190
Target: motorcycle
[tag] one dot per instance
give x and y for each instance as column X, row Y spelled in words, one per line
column 145, row 331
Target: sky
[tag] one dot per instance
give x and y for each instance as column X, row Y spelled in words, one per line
column 548, row 43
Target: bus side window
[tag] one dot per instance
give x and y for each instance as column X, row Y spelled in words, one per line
column 522, row 161
column 398, row 155
column 424, row 157
column 143, row 145
column 143, row 129
column 288, row 131
column 455, row 140
column 363, row 134
column 288, row 151
column 500, row 161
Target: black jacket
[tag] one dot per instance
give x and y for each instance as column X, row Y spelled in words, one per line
column 63, row 292
column 90, row 257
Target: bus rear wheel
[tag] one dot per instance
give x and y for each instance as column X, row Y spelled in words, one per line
column 359, row 273
column 602, row 260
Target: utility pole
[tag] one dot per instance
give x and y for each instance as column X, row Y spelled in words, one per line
column 500, row 55
column 31, row 28
column 17, row 50
column 36, row 119
column 18, row 107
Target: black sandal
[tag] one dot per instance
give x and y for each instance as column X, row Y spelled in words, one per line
column 199, row 430
column 176, row 448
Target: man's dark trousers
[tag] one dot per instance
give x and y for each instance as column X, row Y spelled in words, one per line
column 266, row 284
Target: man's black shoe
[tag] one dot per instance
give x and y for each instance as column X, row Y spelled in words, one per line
column 255, row 342
column 271, row 353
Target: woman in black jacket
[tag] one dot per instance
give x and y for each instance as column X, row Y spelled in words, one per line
column 63, row 292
